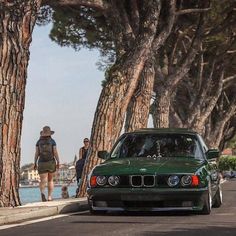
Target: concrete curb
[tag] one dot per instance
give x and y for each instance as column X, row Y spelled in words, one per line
column 74, row 207
column 40, row 210
column 31, row 214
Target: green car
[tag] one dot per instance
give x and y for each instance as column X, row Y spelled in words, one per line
column 156, row 170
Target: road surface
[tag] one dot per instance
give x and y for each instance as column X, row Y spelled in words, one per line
column 221, row 222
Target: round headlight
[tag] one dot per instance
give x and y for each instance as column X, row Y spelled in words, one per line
column 186, row 180
column 173, row 180
column 114, row 180
column 101, row 180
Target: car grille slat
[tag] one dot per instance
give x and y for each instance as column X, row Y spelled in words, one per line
column 136, row 180
column 149, row 180
column 142, row 181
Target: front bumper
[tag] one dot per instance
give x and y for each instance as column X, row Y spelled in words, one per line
column 146, row 199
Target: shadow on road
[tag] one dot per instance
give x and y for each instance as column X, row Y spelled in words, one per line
column 209, row 231
column 139, row 213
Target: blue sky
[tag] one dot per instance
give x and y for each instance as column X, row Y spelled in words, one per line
column 62, row 91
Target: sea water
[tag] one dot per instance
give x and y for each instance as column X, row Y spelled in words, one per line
column 32, row 194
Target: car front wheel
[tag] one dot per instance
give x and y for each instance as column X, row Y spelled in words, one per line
column 95, row 212
column 206, row 210
column 218, row 197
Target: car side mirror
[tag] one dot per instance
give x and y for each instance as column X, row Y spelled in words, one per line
column 212, row 154
column 103, row 154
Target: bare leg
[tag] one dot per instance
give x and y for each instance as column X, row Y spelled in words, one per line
column 50, row 185
column 42, row 184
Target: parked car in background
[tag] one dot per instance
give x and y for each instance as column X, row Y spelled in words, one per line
column 229, row 174
column 156, row 170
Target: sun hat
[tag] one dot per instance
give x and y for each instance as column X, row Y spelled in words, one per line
column 46, row 131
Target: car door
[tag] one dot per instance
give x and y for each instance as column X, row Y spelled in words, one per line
column 212, row 168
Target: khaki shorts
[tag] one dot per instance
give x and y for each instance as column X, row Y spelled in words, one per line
column 47, row 166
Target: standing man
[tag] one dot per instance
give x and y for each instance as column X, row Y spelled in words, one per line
column 46, row 161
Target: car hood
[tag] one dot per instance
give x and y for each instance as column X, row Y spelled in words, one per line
column 144, row 165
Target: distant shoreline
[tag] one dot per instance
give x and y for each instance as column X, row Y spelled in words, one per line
column 36, row 186
column 29, row 186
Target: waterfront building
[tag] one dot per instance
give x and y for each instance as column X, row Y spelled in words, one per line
column 64, row 174
column 29, row 176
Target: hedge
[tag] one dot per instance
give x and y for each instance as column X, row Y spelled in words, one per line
column 227, row 163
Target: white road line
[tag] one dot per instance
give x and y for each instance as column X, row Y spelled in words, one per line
column 40, row 220
column 224, row 214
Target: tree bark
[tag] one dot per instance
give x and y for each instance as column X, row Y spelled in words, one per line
column 161, row 109
column 138, row 109
column 17, row 19
column 202, row 114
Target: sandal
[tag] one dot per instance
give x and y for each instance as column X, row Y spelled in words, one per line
column 43, row 197
column 50, row 199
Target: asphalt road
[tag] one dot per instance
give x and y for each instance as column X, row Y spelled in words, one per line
column 221, row 222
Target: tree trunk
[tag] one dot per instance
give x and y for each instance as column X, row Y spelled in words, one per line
column 17, row 19
column 161, row 109
column 138, row 109
column 202, row 113
column 118, row 90
column 110, row 112
column 217, row 133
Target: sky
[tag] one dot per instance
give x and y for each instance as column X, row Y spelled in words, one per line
column 63, row 87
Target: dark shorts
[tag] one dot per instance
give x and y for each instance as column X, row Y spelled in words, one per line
column 47, row 166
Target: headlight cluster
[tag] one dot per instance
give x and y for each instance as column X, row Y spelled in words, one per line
column 113, row 180
column 173, row 180
column 102, row 180
column 185, row 180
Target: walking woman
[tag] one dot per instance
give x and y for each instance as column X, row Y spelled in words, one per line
column 46, row 161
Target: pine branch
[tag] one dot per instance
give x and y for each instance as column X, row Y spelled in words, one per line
column 189, row 11
column 98, row 4
column 162, row 36
column 229, row 79
column 135, row 16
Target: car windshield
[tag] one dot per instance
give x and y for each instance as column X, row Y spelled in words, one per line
column 158, row 145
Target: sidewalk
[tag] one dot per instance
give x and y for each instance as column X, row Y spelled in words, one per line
column 9, row 215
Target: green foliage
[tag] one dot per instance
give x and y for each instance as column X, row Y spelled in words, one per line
column 232, row 143
column 44, row 16
column 227, row 163
column 220, row 25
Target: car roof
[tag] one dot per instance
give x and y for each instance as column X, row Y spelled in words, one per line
column 165, row 131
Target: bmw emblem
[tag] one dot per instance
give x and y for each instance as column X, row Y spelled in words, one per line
column 143, row 170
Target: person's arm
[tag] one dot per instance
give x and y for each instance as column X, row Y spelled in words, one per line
column 56, row 156
column 80, row 153
column 75, row 160
column 36, row 155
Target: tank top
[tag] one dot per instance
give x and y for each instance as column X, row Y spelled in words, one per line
column 84, row 153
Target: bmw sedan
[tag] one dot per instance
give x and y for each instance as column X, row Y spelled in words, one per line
column 156, row 170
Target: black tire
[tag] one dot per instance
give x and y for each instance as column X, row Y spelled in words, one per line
column 95, row 212
column 218, row 197
column 206, row 210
